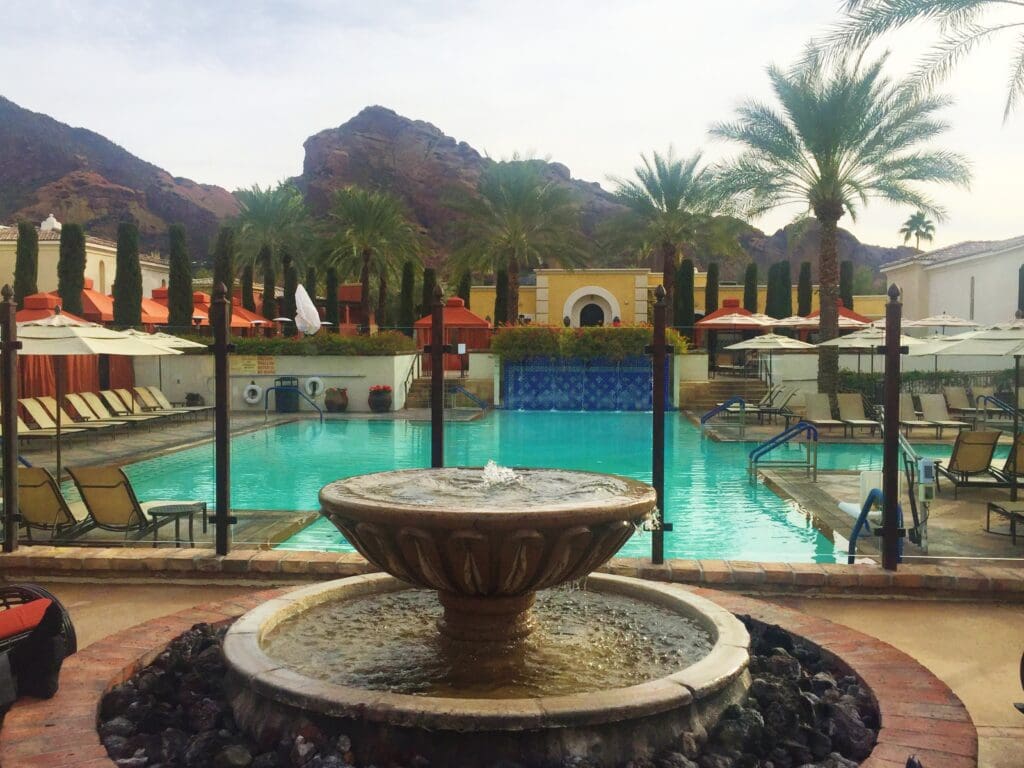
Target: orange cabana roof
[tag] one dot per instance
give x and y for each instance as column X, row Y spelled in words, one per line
column 154, row 313
column 455, row 316
column 41, row 305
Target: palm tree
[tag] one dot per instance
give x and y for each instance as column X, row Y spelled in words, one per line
column 372, row 235
column 845, row 134
column 920, row 227
column 272, row 221
column 673, row 209
column 963, row 27
column 517, row 220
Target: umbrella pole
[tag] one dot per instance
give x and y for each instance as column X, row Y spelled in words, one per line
column 1016, row 427
column 9, row 401
column 58, row 367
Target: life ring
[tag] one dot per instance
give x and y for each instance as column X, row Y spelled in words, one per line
column 314, row 386
column 253, row 392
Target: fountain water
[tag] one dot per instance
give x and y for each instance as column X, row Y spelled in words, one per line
column 614, row 672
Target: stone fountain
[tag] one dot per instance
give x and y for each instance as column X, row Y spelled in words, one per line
column 487, row 677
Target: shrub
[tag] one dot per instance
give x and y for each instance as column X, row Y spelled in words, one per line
column 377, row 345
column 406, row 298
column 542, row 341
column 501, row 298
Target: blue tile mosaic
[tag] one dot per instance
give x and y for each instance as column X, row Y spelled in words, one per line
column 542, row 384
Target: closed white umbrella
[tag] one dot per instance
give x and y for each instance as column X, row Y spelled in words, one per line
column 59, row 336
column 307, row 319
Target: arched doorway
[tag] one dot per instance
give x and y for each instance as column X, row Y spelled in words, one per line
column 591, row 315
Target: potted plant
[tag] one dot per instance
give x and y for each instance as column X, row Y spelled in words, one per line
column 336, row 399
column 379, row 399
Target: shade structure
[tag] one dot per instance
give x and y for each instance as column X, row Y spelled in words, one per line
column 943, row 321
column 772, row 343
column 154, row 313
column 59, row 336
column 164, row 340
column 38, row 306
column 461, row 326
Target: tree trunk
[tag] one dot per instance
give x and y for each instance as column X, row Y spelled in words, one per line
column 668, row 270
column 364, row 293
column 513, row 290
column 269, row 283
column 382, row 296
column 828, row 292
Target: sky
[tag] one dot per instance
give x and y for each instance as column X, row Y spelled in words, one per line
column 226, row 92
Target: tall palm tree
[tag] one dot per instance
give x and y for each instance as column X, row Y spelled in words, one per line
column 272, row 221
column 920, row 227
column 964, row 26
column 674, row 207
column 845, row 134
column 516, row 220
column 371, row 234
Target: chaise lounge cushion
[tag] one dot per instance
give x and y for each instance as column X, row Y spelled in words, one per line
column 22, row 618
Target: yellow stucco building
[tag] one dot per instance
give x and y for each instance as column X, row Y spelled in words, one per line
column 598, row 296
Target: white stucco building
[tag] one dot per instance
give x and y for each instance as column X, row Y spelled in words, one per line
column 976, row 280
column 100, row 260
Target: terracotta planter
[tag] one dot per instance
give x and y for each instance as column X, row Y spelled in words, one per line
column 379, row 402
column 336, row 400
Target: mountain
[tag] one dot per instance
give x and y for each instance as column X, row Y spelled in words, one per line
column 419, row 163
column 49, row 167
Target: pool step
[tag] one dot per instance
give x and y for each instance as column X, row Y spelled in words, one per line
column 702, row 396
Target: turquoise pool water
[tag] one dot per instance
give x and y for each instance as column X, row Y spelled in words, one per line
column 715, row 511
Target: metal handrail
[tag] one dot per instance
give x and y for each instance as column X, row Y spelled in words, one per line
column 997, row 404
column 874, row 497
column 724, row 408
column 413, row 374
column 299, row 392
column 458, row 389
column 810, row 463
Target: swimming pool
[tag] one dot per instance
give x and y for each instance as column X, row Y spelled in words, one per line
column 715, row 511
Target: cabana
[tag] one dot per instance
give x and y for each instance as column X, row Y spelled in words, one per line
column 729, row 317
column 460, row 327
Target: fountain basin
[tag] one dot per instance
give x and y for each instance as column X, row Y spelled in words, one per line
column 607, row 726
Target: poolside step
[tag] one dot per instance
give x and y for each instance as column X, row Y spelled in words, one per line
column 701, row 396
column 419, row 394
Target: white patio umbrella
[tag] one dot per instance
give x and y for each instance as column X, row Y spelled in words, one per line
column 793, row 321
column 59, row 336
column 866, row 340
column 772, row 343
column 735, row 321
column 164, row 341
column 941, row 321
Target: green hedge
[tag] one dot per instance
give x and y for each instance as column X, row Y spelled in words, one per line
column 379, row 344
column 525, row 341
column 921, row 382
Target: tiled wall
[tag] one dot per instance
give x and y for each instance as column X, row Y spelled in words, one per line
column 579, row 385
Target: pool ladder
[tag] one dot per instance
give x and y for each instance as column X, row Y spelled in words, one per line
column 726, row 408
column 809, row 461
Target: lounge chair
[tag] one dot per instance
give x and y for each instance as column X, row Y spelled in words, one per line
column 933, row 410
column 107, row 403
column 43, row 420
column 144, row 399
column 819, row 412
column 43, row 507
column 851, row 413
column 113, row 505
column 1014, row 464
column 959, row 405
column 162, row 400
column 94, row 405
column 39, row 433
column 908, row 415
column 50, row 404
column 971, row 459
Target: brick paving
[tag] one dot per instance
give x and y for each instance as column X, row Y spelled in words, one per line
column 920, row 714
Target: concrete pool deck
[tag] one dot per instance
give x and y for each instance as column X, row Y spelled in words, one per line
column 976, row 655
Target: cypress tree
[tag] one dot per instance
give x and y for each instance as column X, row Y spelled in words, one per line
column 682, row 298
column 331, row 310
column 500, row 298
column 248, row 300
column 465, row 285
column 311, row 281
column 429, row 281
column 382, row 306
column 127, row 277
column 291, row 283
column 846, row 283
column 224, row 260
column 804, row 290
column 771, row 304
column 26, row 262
column 750, row 288
column 406, row 299
column 71, row 268
column 711, row 289
column 266, row 259
column 785, row 289
column 179, row 283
